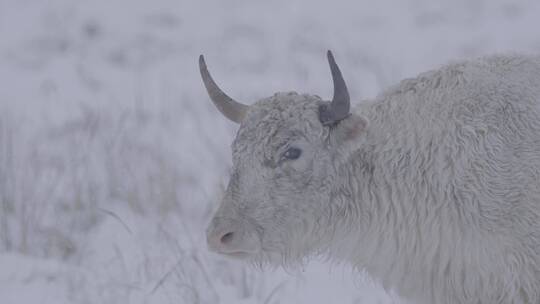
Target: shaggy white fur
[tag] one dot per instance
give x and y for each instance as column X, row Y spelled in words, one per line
column 453, row 195
column 433, row 187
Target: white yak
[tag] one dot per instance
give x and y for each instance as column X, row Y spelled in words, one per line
column 433, row 187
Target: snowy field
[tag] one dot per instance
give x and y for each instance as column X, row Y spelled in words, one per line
column 112, row 157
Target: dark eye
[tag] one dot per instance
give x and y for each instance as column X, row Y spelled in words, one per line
column 292, row 153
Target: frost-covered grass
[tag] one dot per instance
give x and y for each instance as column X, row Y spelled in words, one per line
column 112, row 158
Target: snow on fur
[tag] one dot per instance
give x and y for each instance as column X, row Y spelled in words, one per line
column 432, row 186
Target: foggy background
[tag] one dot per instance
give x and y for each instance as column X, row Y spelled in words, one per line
column 112, row 157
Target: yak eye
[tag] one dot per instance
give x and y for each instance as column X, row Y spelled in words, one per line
column 292, row 153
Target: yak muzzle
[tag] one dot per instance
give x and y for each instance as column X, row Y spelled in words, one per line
column 232, row 237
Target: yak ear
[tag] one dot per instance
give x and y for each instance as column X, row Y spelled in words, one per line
column 349, row 129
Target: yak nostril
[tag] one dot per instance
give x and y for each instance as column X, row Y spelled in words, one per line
column 227, row 238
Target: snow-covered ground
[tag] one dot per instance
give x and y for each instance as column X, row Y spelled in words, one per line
column 112, row 158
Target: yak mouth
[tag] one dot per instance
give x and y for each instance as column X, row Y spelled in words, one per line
column 240, row 255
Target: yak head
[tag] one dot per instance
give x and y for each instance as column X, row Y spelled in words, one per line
column 289, row 157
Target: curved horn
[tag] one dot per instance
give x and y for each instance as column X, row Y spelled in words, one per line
column 338, row 109
column 232, row 109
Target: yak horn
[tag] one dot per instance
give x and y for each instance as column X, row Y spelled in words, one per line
column 338, row 109
column 232, row 109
